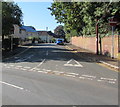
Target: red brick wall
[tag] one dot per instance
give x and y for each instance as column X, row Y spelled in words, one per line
column 89, row 43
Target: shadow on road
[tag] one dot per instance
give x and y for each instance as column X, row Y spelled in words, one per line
column 49, row 52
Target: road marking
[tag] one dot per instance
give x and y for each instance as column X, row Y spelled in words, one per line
column 12, row 65
column 24, row 59
column 89, row 76
column 47, row 53
column 73, row 73
column 99, row 80
column 113, row 66
column 111, row 82
column 40, row 71
column 38, row 65
column 82, row 77
column 23, row 69
column 7, row 67
column 19, row 53
column 109, row 79
column 27, row 67
column 15, row 86
column 77, row 64
column 69, row 75
column 85, row 78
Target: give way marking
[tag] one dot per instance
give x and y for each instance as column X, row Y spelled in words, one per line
column 74, row 63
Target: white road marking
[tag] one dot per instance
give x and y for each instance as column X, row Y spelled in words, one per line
column 40, row 71
column 56, row 71
column 89, row 76
column 7, row 67
column 12, row 65
column 23, row 69
column 99, row 80
column 85, row 78
column 73, row 73
column 69, row 75
column 24, row 59
column 45, row 72
column 109, row 79
column 111, row 82
column 27, row 67
column 48, row 70
column 38, row 65
column 47, row 53
column 15, row 86
column 82, row 77
column 75, row 65
column 19, row 53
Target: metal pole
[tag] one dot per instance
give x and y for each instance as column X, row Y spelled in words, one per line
column 11, row 43
column 112, row 41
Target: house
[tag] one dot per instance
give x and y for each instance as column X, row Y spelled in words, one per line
column 45, row 37
column 28, row 31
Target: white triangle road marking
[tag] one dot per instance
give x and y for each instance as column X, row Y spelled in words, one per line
column 75, row 65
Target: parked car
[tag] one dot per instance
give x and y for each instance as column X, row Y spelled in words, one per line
column 59, row 42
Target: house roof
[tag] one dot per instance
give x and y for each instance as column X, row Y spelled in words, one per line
column 42, row 33
column 28, row 28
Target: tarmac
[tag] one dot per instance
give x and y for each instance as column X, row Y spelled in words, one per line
column 83, row 53
column 101, row 59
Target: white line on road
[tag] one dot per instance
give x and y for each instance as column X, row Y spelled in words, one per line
column 69, row 75
column 72, row 73
column 15, row 86
column 38, row 65
column 11, row 65
column 109, row 79
column 46, row 52
column 85, row 78
column 89, row 76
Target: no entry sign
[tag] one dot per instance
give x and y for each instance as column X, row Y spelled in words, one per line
column 112, row 21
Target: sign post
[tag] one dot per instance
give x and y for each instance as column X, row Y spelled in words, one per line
column 112, row 22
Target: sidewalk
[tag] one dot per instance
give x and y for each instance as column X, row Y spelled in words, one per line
column 16, row 51
column 90, row 56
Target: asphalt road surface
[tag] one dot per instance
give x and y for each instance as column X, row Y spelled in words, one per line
column 50, row 74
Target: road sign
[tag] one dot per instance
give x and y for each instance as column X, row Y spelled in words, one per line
column 113, row 21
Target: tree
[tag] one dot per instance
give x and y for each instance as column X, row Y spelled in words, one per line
column 81, row 16
column 11, row 14
column 59, row 30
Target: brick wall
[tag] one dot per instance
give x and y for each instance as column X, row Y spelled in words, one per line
column 89, row 43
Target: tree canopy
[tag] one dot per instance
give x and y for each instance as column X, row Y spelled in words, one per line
column 81, row 16
column 11, row 14
column 59, row 30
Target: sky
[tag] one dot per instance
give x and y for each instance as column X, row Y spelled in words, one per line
column 37, row 15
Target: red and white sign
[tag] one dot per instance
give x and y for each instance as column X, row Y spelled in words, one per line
column 112, row 21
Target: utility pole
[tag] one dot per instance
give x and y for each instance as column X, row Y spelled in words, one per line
column 97, row 37
column 46, row 35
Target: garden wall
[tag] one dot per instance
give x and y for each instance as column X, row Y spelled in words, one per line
column 89, row 43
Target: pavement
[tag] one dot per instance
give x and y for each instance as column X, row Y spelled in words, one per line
column 108, row 61
column 19, row 49
column 50, row 74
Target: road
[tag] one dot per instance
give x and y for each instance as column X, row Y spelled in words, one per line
column 49, row 74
